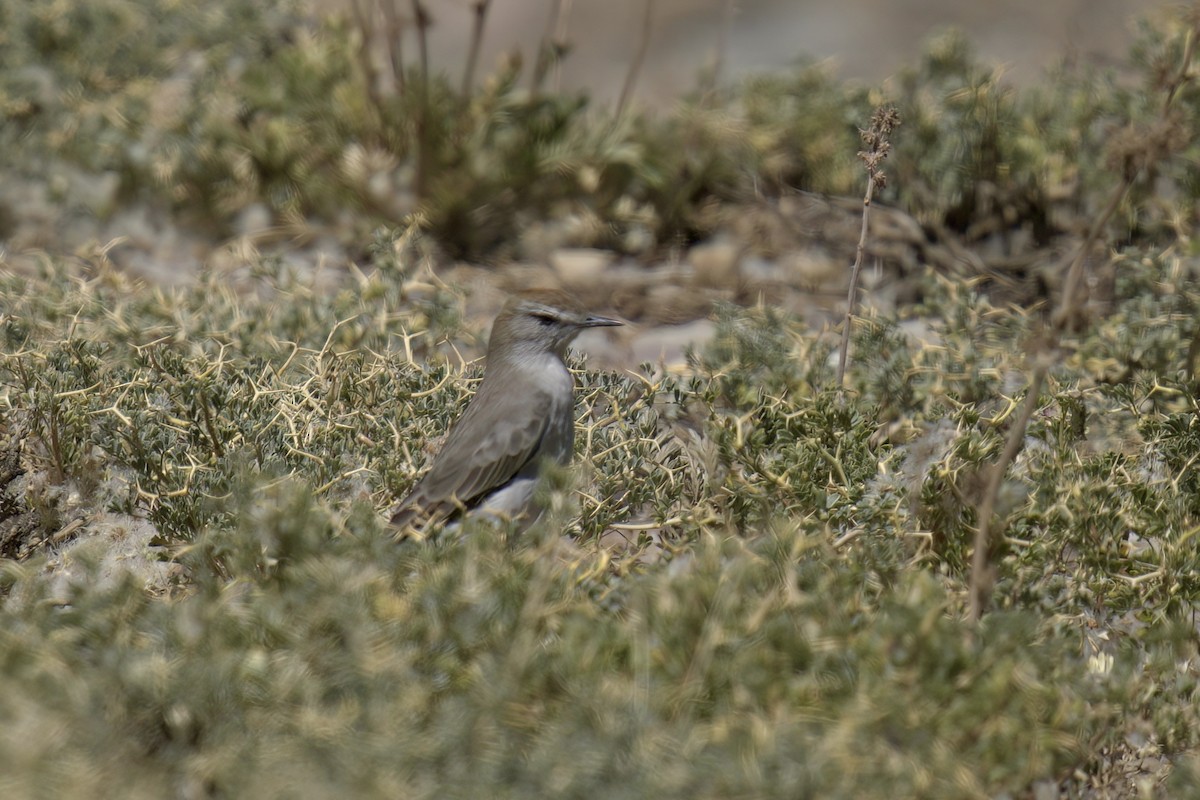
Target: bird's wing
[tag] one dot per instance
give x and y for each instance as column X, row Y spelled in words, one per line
column 496, row 437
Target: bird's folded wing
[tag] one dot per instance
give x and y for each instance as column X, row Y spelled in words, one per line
column 497, row 436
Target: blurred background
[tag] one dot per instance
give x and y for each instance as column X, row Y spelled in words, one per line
column 865, row 39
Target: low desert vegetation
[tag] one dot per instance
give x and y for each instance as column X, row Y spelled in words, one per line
column 758, row 578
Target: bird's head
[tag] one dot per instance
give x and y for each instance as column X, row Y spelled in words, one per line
column 535, row 326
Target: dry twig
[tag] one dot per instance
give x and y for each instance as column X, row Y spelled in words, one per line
column 393, row 28
column 553, row 47
column 635, row 67
column 877, row 141
column 1131, row 152
column 362, row 19
column 480, row 9
column 423, row 21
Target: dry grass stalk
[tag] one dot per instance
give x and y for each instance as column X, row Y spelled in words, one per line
column 876, row 138
column 363, row 19
column 1130, row 154
column 553, row 46
column 479, row 9
column 394, row 35
column 635, row 67
column 423, row 21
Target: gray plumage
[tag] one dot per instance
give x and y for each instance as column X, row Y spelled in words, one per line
column 522, row 416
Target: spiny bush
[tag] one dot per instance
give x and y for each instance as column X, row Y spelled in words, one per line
column 781, row 613
column 251, row 104
column 752, row 586
column 310, row 653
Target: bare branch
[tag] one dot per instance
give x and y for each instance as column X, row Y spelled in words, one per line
column 423, row 21
column 553, row 46
column 480, row 7
column 393, row 27
column 635, row 67
column 362, row 19
column 877, row 141
column 1130, row 155
column 712, row 80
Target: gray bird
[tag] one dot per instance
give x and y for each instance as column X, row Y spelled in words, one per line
column 522, row 416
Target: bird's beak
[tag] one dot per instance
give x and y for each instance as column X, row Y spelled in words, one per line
column 593, row 321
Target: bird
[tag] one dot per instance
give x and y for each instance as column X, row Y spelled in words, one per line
column 522, row 416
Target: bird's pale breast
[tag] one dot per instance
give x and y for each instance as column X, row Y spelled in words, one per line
column 555, row 399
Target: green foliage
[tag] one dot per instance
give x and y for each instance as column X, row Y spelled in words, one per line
column 761, row 586
column 959, row 142
column 243, row 104
column 100, row 84
column 194, row 382
column 764, row 596
column 305, row 661
column 979, row 156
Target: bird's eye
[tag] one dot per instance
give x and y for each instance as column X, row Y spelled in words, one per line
column 544, row 319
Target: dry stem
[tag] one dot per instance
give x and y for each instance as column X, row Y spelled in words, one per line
column 635, row 67
column 370, row 73
column 423, row 21
column 1156, row 146
column 876, row 139
column 981, row 582
column 480, row 7
column 552, row 47
column 394, row 32
column 713, row 80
